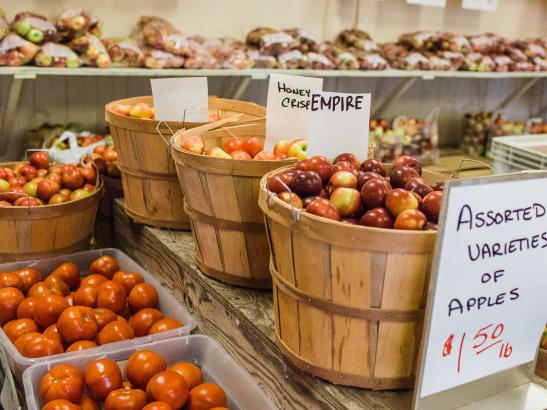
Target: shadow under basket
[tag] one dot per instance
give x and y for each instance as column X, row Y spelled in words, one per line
column 104, row 223
column 348, row 300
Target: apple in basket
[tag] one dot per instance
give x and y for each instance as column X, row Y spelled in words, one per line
column 194, row 144
column 298, row 149
column 142, row 110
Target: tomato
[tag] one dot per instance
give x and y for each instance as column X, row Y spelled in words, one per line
column 142, row 365
column 81, row 345
column 169, row 387
column 29, row 277
column 105, row 265
column 26, row 307
column 40, row 289
column 48, row 308
column 125, row 399
column 142, row 321
column 191, row 373
column 70, row 299
column 114, row 332
column 143, row 296
column 112, row 296
column 53, row 281
column 163, row 325
column 19, row 327
column 102, row 376
column 206, row 396
column 62, row 382
column 8, row 279
column 103, row 316
column 86, row 296
column 69, row 273
column 21, row 340
column 93, row 280
column 9, row 302
column 40, row 346
column 157, row 405
column 52, row 332
column 77, row 323
column 61, row 405
column 128, row 279
column 88, row 403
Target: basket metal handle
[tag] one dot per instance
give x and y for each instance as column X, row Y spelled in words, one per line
column 294, row 211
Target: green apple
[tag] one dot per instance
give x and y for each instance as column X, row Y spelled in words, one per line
column 35, row 35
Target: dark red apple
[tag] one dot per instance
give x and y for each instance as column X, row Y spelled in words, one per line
column 72, row 178
column 411, row 220
column 431, row 205
column 349, row 157
column 13, row 194
column 374, row 193
column 418, row 185
column 28, row 172
column 4, row 174
column 344, row 179
column 10, row 173
column 67, row 167
column 39, row 159
column 317, row 163
column 399, row 200
column 408, row 161
column 26, row 201
column 364, row 177
column 373, row 165
column 346, row 200
column 401, row 175
column 55, row 169
column 308, row 200
column 47, row 188
column 100, row 163
column 279, row 182
column 439, row 186
column 17, row 181
column 377, row 218
column 307, row 183
column 89, row 175
column 344, row 166
column 323, row 207
column 292, row 199
column 55, row 177
column 324, row 193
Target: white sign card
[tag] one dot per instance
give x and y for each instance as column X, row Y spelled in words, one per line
column 338, row 123
column 484, row 5
column 488, row 298
column 178, row 99
column 287, row 107
column 435, row 3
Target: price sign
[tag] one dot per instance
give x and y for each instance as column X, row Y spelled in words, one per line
column 435, row 3
column 484, row 5
column 178, row 99
column 287, row 107
column 487, row 304
column 338, row 123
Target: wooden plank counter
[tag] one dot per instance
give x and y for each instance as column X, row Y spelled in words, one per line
column 241, row 320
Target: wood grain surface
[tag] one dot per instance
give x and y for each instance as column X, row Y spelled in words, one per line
column 241, row 320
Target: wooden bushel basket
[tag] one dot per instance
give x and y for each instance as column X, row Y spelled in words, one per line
column 221, row 199
column 151, row 189
column 104, row 223
column 348, row 300
column 49, row 230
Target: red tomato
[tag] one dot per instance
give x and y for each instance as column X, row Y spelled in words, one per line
column 61, row 405
column 112, row 296
column 102, row 376
column 40, row 289
column 29, row 277
column 21, row 340
column 253, row 146
column 157, row 405
column 143, row 296
column 62, row 382
column 103, row 317
column 69, row 273
column 142, row 321
column 233, row 144
column 19, row 327
column 206, row 396
column 10, row 280
column 77, row 323
column 48, row 308
column 52, row 332
column 56, row 281
column 81, row 345
column 26, row 308
column 93, row 280
column 114, row 332
column 128, row 279
column 88, row 403
column 125, row 399
column 86, row 296
column 10, row 298
column 169, row 387
column 105, row 265
column 40, row 346
column 191, row 373
column 142, row 365
column 163, row 325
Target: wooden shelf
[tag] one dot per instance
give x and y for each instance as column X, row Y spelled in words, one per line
column 241, row 320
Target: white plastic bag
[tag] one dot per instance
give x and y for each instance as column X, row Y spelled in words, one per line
column 73, row 154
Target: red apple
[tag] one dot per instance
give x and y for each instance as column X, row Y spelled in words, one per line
column 346, row 200
column 17, row 181
column 28, row 172
column 233, row 144
column 401, row 175
column 345, row 179
column 324, row 193
column 47, row 188
column 67, row 167
column 306, row 183
column 26, row 201
column 58, row 199
column 292, row 199
column 419, row 186
column 3, row 174
column 411, row 220
column 9, row 173
column 72, row 179
column 39, row 160
column 15, row 192
column 374, row 193
column 252, row 145
column 308, row 200
column 55, row 177
column 110, row 155
column 298, row 149
column 279, row 182
column 5, row 204
column 55, row 169
column 65, row 192
column 193, row 143
column 41, row 173
column 240, row 154
column 399, row 200
column 217, row 153
column 364, row 177
column 89, row 174
column 349, row 157
column 280, row 156
column 79, row 194
column 121, row 109
column 408, row 161
column 89, row 188
column 373, row 165
column 431, row 205
column 323, row 207
column 317, row 163
column 344, row 166
column 264, row 156
column 282, row 147
column 141, row 110
column 439, row 186
column 377, row 218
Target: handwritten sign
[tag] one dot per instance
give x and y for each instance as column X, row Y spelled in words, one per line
column 484, row 5
column 178, row 99
column 338, row 123
column 287, row 107
column 489, row 303
column 435, row 3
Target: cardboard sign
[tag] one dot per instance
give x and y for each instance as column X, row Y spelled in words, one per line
column 484, row 5
column 178, row 99
column 338, row 123
column 435, row 3
column 287, row 107
column 487, row 299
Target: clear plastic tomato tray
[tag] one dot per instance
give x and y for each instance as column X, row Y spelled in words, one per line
column 168, row 305
column 215, row 363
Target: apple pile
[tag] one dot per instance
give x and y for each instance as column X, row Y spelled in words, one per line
column 352, row 192
column 105, row 158
column 248, row 148
column 38, row 183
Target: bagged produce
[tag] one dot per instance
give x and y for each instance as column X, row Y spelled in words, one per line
column 303, row 41
column 180, row 45
column 15, row 51
column 34, row 27
column 316, row 61
column 161, row 59
column 259, row 60
column 456, row 59
column 488, row 43
column 229, row 53
column 56, row 55
column 455, row 43
column 276, row 44
column 92, row 51
column 200, row 58
column 342, row 59
column 153, row 31
column 479, row 62
column 372, row 62
column 254, row 37
column 440, row 64
column 293, row 59
column 421, row 40
column 124, row 53
column 4, row 26
column 412, row 61
column 75, row 22
column 352, row 38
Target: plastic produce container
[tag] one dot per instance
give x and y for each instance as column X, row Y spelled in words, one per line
column 511, row 154
column 168, row 305
column 217, row 367
column 8, row 393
